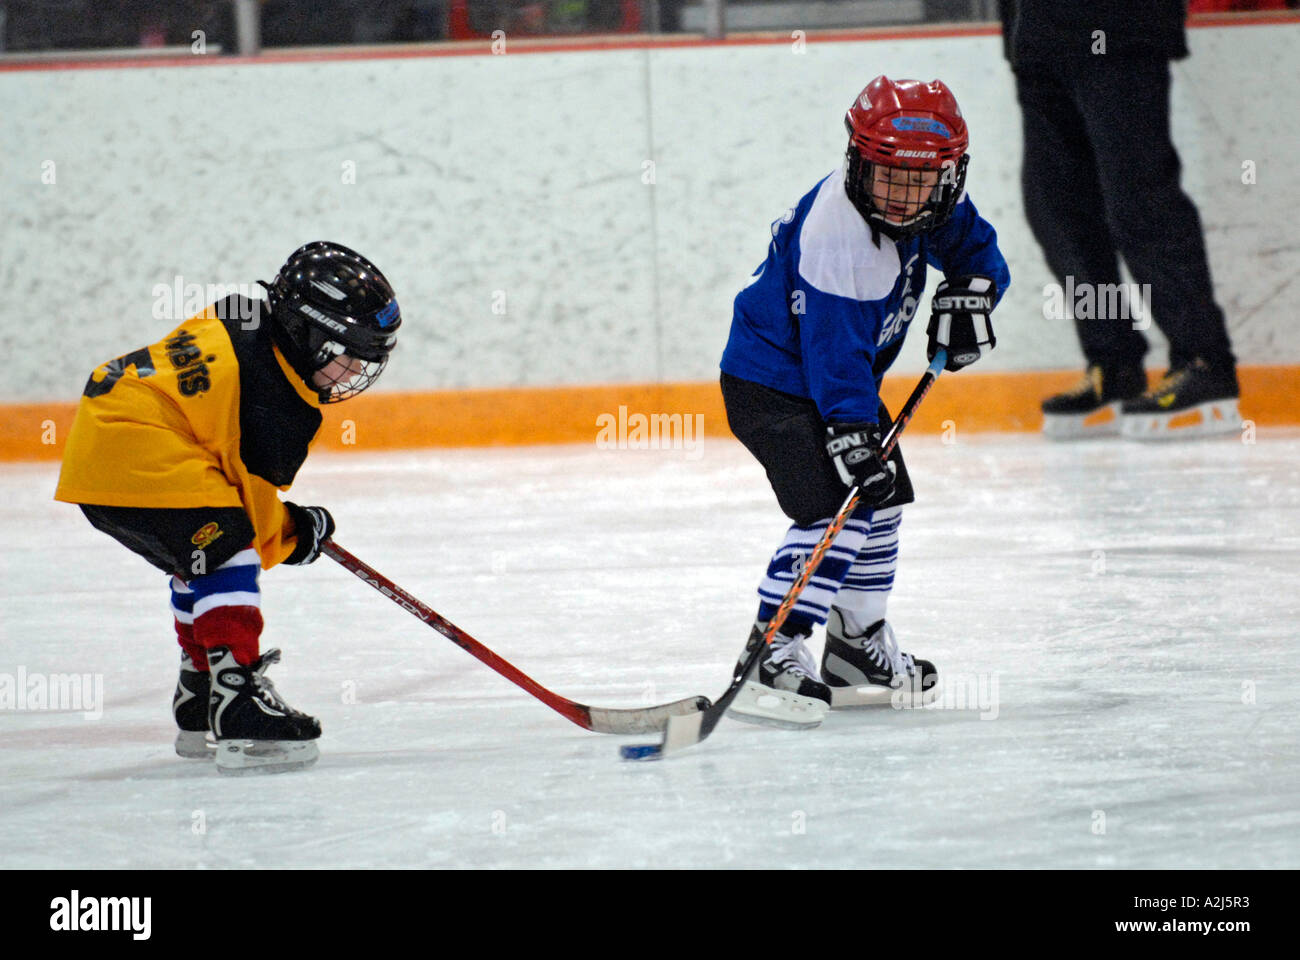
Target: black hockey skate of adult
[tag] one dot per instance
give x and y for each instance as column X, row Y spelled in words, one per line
column 1092, row 408
column 1194, row 400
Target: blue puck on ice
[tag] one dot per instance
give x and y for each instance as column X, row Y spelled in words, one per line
column 645, row 751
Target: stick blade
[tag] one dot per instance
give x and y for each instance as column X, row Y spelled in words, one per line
column 682, row 730
column 644, row 719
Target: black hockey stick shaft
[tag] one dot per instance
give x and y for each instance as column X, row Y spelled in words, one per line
column 597, row 719
column 710, row 717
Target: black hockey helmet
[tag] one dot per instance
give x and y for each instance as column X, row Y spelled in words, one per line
column 332, row 308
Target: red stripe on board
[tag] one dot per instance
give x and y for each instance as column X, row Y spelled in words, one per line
column 480, row 48
column 535, row 45
column 1258, row 18
column 516, row 47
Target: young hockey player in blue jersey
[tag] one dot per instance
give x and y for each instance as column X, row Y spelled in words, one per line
column 811, row 337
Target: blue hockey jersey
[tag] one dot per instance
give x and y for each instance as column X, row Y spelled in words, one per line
column 826, row 313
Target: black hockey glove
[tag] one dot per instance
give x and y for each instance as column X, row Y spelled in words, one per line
column 855, row 450
column 314, row 526
column 959, row 320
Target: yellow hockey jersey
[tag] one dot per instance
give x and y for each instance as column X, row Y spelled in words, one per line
column 213, row 415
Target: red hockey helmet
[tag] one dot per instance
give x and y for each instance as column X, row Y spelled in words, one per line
column 905, row 125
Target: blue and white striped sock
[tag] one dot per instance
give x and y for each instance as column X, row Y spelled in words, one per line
column 814, row 604
column 870, row 578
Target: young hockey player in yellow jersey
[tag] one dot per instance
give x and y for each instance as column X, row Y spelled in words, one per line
column 178, row 451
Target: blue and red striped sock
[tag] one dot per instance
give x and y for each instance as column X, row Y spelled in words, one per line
column 226, row 607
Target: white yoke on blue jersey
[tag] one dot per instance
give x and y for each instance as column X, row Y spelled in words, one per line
column 826, row 314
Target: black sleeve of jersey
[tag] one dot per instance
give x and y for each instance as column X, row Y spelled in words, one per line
column 275, row 424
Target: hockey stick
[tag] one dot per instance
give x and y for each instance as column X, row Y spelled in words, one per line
column 688, row 730
column 597, row 719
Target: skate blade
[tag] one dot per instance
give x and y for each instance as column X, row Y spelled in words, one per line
column 1102, row 422
column 195, row 745
column 876, row 695
column 237, row 758
column 776, row 708
column 1203, row 420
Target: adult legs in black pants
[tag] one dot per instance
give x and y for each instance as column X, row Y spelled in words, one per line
column 1067, row 211
column 1125, row 106
column 1100, row 177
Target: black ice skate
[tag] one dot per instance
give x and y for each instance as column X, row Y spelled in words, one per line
column 256, row 731
column 785, row 690
column 866, row 668
column 190, row 708
column 1193, row 400
column 1092, row 408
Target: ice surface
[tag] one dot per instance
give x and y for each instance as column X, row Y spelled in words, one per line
column 1136, row 607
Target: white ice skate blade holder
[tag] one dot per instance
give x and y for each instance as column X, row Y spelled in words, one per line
column 1102, row 422
column 756, row 703
column 878, row 695
column 1202, row 420
column 240, row 757
column 195, row 745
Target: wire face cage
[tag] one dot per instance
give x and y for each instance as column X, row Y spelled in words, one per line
column 341, row 376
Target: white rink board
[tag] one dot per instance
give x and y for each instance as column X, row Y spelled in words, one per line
column 1135, row 606
column 518, row 181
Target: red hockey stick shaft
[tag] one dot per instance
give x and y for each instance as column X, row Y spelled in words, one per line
column 597, row 719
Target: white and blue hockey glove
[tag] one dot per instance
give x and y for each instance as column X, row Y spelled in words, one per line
column 959, row 320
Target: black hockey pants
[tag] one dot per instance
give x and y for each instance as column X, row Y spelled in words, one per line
column 788, row 437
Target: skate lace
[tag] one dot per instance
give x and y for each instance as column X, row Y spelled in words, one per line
column 265, row 688
column 790, row 654
column 882, row 648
